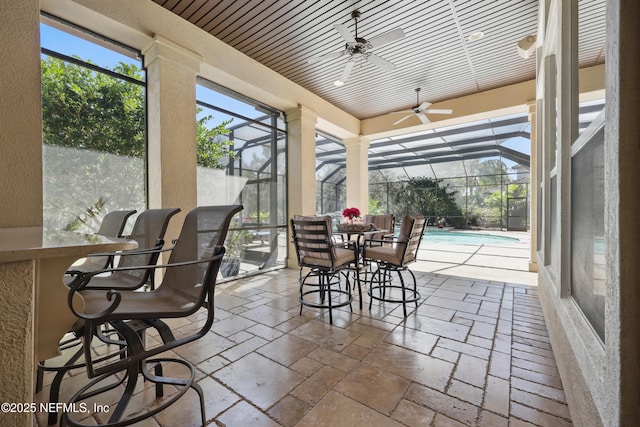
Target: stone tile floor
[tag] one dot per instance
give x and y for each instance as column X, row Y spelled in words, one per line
column 474, row 352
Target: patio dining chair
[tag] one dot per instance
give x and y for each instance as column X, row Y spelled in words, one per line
column 187, row 285
column 325, row 260
column 112, row 225
column 381, row 222
column 396, row 258
column 148, row 231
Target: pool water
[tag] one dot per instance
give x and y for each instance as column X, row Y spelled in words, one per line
column 457, row 238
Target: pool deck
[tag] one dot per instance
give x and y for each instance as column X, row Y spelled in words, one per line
column 501, row 262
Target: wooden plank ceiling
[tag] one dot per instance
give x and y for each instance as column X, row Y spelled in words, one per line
column 435, row 54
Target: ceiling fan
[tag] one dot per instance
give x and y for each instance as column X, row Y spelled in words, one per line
column 358, row 47
column 419, row 110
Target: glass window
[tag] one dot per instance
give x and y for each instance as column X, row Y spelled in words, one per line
column 94, row 139
column 554, row 227
column 241, row 155
column 587, row 231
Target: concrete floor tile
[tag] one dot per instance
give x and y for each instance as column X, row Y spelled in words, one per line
column 259, row 379
column 339, row 411
column 243, row 414
column 360, row 382
column 475, row 352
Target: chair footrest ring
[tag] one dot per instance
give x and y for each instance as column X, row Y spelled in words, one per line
column 413, row 295
column 82, row 399
column 334, row 304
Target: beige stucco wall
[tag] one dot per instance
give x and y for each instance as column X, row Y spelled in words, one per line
column 600, row 379
column 171, row 128
column 20, row 194
column 357, row 173
column 301, row 168
column 16, row 338
column 20, row 111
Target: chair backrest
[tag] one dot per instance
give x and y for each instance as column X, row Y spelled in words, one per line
column 312, row 239
column 148, row 231
column 411, row 233
column 204, row 228
column 113, row 223
column 382, row 222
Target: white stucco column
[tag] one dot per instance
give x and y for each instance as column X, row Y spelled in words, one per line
column 20, row 196
column 358, row 173
column 533, row 187
column 301, row 168
column 171, row 118
column 20, row 116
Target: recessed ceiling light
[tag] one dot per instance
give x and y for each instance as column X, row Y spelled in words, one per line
column 476, row 36
column 338, row 83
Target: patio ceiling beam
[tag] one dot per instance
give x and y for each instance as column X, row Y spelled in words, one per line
column 454, row 155
column 424, row 151
column 445, row 133
column 332, row 174
column 249, row 123
column 508, row 153
column 391, row 165
column 321, row 165
column 255, row 142
column 515, row 156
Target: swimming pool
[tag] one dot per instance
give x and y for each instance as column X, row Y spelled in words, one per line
column 458, row 238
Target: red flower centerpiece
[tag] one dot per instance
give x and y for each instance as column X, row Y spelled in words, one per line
column 351, row 221
column 351, row 213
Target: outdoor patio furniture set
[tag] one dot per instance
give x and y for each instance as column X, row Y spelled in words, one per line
column 371, row 257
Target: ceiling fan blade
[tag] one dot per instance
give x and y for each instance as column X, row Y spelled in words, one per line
column 423, row 106
column 403, row 119
column 423, row 119
column 345, row 33
column 386, row 38
column 347, row 71
column 402, row 112
column 380, row 63
column 326, row 57
column 439, row 111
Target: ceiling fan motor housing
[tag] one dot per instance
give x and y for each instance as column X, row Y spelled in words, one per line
column 359, row 48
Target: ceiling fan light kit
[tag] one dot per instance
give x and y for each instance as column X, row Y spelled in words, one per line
column 359, row 48
column 419, row 111
column 475, row 36
column 527, row 46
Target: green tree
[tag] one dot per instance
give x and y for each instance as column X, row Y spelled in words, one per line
column 485, row 200
column 427, row 196
column 212, row 143
column 85, row 109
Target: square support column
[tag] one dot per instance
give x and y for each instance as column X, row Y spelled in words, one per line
column 358, row 173
column 301, row 168
column 20, row 196
column 171, row 116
